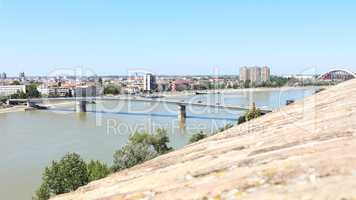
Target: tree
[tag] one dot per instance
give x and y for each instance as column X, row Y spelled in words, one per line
column 18, row 95
column 32, row 92
column 16, row 82
column 42, row 193
column 112, row 89
column 66, row 175
column 97, row 170
column 227, row 126
column 252, row 113
column 197, row 136
column 241, row 119
column 132, row 154
column 247, row 84
column 159, row 140
column 100, row 81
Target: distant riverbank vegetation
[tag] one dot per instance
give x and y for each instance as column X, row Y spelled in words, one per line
column 112, row 89
column 72, row 172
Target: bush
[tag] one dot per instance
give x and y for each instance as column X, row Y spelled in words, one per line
column 66, row 175
column 227, row 126
column 241, row 119
column 32, row 92
column 197, row 136
column 42, row 193
column 112, row 89
column 159, row 141
column 97, row 170
column 132, row 154
column 252, row 114
column 249, row 115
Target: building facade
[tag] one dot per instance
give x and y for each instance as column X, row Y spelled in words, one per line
column 265, row 74
column 256, row 75
column 149, row 82
column 3, row 76
column 244, row 74
column 22, row 76
column 6, row 90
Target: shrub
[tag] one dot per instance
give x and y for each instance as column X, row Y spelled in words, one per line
column 97, row 170
column 66, row 175
column 159, row 141
column 197, row 136
column 112, row 89
column 42, row 193
column 250, row 114
column 132, row 154
column 227, row 126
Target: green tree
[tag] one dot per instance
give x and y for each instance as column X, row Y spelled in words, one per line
column 197, row 136
column 132, row 154
column 66, row 175
column 97, row 170
column 241, row 119
column 16, row 82
column 18, row 95
column 100, row 80
column 227, row 126
column 252, row 113
column 159, row 140
column 32, row 92
column 112, row 89
column 42, row 193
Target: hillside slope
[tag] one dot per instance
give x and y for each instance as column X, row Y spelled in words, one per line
column 304, row 151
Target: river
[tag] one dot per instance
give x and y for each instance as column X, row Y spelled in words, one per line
column 31, row 140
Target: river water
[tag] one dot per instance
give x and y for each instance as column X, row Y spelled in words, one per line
column 31, row 140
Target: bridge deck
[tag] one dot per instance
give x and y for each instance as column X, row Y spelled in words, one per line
column 232, row 107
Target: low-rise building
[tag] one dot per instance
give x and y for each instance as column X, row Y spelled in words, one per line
column 6, row 90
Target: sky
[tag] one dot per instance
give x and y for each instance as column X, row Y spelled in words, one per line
column 177, row 37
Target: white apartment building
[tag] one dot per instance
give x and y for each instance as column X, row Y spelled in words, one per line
column 6, row 90
column 149, row 82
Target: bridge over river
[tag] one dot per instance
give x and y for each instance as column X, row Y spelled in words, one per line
column 82, row 101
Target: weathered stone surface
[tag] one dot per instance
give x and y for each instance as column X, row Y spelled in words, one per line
column 304, row 151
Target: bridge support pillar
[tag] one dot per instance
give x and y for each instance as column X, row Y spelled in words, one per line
column 80, row 106
column 182, row 114
column 30, row 104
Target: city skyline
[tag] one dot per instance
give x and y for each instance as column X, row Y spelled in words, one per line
column 176, row 37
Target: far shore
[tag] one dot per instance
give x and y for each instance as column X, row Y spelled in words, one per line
column 261, row 89
column 22, row 108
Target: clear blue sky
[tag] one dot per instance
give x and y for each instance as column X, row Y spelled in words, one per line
column 176, row 37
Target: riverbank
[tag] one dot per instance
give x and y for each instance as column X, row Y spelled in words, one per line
column 22, row 108
column 175, row 94
column 12, row 109
column 229, row 91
